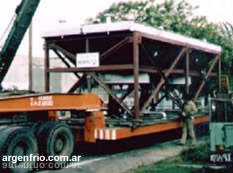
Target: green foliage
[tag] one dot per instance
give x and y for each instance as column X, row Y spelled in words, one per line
column 226, row 41
column 176, row 17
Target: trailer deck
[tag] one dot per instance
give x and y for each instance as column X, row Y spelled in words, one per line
column 147, row 127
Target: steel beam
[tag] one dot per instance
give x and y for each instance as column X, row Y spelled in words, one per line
column 162, row 81
column 110, row 92
column 129, row 91
column 206, row 76
column 136, row 73
column 65, row 52
column 64, row 61
column 114, row 48
column 78, row 83
column 187, row 72
column 102, row 68
column 46, row 62
column 73, row 58
column 160, row 99
column 88, row 77
column 53, row 46
column 175, row 71
column 61, row 58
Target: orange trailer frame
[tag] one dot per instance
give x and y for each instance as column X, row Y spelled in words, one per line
column 94, row 127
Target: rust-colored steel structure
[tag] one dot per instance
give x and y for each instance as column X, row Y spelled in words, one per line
column 127, row 48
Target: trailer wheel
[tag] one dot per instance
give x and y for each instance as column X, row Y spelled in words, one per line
column 3, row 128
column 38, row 127
column 55, row 139
column 17, row 141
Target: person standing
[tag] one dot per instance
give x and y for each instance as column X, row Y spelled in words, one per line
column 188, row 129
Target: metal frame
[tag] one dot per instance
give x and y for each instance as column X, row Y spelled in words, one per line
column 162, row 81
column 135, row 39
column 207, row 75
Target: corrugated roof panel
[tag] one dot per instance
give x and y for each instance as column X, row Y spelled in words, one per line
column 146, row 31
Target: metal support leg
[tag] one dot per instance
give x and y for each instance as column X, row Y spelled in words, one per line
column 47, row 75
column 187, row 72
column 136, row 74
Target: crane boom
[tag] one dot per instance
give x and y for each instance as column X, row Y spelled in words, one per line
column 24, row 14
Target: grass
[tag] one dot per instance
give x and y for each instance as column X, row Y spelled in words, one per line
column 197, row 155
column 193, row 160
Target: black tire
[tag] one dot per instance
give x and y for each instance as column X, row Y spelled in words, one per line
column 38, row 127
column 17, row 141
column 55, row 139
column 3, row 128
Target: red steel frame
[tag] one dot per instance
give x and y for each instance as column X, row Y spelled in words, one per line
column 134, row 38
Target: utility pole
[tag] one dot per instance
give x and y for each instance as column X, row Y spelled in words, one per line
column 30, row 58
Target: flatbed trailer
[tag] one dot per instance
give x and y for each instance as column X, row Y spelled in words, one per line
column 139, row 71
column 85, row 116
column 158, row 126
column 135, row 62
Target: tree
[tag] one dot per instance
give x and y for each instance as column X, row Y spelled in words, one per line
column 176, row 17
column 226, row 41
column 168, row 16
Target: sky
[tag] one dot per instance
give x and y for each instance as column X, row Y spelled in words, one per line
column 51, row 14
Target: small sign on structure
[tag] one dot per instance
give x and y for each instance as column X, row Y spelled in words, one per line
column 86, row 60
